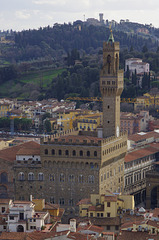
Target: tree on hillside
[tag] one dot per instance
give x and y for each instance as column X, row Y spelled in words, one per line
column 47, row 126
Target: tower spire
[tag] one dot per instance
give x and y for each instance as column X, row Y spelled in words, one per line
column 111, row 37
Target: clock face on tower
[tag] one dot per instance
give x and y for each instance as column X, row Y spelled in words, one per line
column 117, row 131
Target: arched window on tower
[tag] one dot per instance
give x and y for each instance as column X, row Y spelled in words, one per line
column 40, row 176
column 90, row 179
column 21, row 176
column 52, row 177
column 108, row 63
column 31, row 176
column 116, row 62
column 46, row 151
column 62, row 177
column 81, row 179
column 71, row 178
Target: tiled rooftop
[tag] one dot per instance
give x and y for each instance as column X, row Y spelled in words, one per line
column 9, row 154
column 142, row 152
column 138, row 137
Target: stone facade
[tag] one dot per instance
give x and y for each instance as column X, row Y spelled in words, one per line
column 6, row 179
column 69, row 171
column 112, row 164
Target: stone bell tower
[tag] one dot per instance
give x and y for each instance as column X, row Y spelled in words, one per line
column 111, row 87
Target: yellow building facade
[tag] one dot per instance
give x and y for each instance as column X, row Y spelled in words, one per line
column 40, row 206
column 90, row 122
column 4, row 109
column 146, row 101
column 105, row 205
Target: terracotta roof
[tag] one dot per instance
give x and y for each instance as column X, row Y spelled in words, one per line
column 132, row 218
column 125, row 235
column 155, row 145
column 106, row 221
column 9, row 154
column 29, row 151
column 108, row 233
column 96, row 208
column 140, row 153
column 30, row 236
column 51, row 206
column 153, row 223
column 78, row 236
column 110, row 198
column 14, row 236
column 5, row 201
column 21, row 202
column 137, row 137
column 84, row 201
column 130, row 224
column 95, row 228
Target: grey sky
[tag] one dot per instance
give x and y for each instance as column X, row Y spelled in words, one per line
column 25, row 14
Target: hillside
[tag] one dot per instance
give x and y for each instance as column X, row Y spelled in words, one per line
column 29, row 85
column 31, row 62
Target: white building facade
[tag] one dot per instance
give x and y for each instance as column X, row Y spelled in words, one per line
column 136, row 64
column 23, row 218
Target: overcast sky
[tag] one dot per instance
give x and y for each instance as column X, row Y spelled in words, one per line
column 32, row 14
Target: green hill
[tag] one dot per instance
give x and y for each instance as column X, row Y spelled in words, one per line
column 29, row 85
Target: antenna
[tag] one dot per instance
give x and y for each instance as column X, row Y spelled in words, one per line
column 84, row 17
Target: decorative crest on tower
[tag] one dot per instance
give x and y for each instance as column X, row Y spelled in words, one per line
column 111, row 37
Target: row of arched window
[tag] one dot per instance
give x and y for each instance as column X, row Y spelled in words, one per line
column 70, row 201
column 62, row 177
column 111, row 149
column 31, row 176
column 68, row 153
column 63, row 164
column 81, row 179
column 62, row 201
column 111, row 173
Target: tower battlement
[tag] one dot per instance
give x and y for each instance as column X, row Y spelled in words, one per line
column 108, row 46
